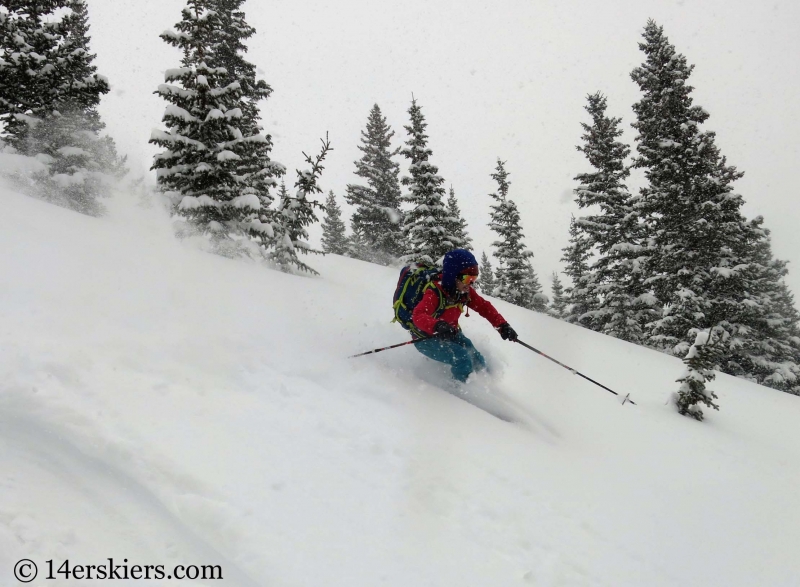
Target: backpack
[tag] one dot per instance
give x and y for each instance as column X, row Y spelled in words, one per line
column 411, row 286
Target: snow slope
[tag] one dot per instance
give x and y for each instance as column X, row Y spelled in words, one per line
column 168, row 406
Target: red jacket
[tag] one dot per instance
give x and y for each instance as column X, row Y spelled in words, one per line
column 423, row 315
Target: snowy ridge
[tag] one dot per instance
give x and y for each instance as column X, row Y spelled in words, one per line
column 172, row 407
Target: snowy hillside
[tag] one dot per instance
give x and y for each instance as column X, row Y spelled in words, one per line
column 166, row 406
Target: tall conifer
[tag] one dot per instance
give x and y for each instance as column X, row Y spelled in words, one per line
column 215, row 165
column 516, row 281
column 701, row 261
column 558, row 307
column 456, row 225
column 618, row 302
column 767, row 348
column 31, row 86
column 696, row 230
column 576, row 267
column 357, row 246
column 49, row 93
column 486, row 283
column 229, row 52
column 256, row 172
column 425, row 226
column 334, row 239
column 377, row 217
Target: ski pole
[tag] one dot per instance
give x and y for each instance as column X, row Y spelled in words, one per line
column 575, row 372
column 386, row 348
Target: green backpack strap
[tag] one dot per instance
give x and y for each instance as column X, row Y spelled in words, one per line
column 399, row 303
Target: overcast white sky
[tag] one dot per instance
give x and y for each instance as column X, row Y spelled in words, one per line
column 495, row 79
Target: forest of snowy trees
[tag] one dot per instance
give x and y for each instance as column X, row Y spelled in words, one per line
column 674, row 265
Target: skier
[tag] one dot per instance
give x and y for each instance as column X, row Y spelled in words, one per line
column 437, row 316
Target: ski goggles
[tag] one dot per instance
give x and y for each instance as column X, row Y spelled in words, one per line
column 468, row 279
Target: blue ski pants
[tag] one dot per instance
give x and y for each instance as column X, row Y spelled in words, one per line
column 458, row 352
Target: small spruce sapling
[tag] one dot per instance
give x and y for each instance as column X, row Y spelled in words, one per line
column 701, row 361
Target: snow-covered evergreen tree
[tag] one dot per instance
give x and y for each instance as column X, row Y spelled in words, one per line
column 377, row 215
column 31, row 86
column 229, row 51
column 334, row 239
column 295, row 213
column 698, row 238
column 256, row 172
column 456, row 225
column 701, row 360
column 516, row 281
column 215, row 165
column 357, row 245
column 576, row 266
column 708, row 266
column 619, row 304
column 49, row 95
column 425, row 224
column 486, row 283
column 558, row 307
column 766, row 347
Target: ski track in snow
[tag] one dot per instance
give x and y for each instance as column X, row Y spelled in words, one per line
column 136, row 500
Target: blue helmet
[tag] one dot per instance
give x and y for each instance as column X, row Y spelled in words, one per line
column 457, row 262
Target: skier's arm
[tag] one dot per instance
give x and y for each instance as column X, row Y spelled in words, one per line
column 485, row 308
column 422, row 317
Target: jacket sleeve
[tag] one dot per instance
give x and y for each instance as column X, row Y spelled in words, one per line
column 422, row 317
column 485, row 308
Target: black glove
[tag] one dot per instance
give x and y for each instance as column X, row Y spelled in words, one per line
column 507, row 332
column 445, row 330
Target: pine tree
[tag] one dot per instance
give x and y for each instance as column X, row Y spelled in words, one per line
column 334, row 239
column 425, row 225
column 787, row 376
column 229, row 52
column 576, row 258
column 49, row 100
column 698, row 238
column 215, row 167
column 357, row 245
column 456, row 225
column 766, row 347
column 558, row 307
column 618, row 303
column 31, row 87
column 295, row 213
column 701, row 360
column 255, row 172
column 517, row 282
column 377, row 216
column 486, row 284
